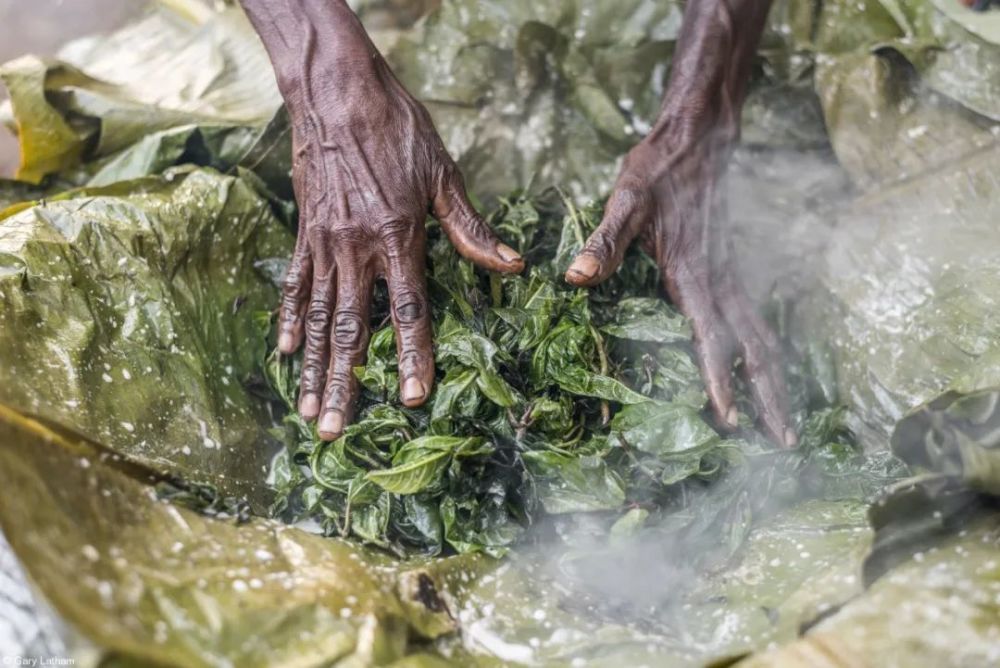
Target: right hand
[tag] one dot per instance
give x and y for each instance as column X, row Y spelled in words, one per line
column 664, row 196
column 667, row 195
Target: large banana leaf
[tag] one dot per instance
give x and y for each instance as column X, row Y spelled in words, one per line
column 915, row 278
column 906, row 87
column 932, row 575
column 869, row 95
column 109, row 94
column 936, row 610
column 161, row 585
column 128, row 314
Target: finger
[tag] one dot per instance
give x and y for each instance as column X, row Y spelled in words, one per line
column 690, row 291
column 349, row 344
column 411, row 317
column 295, row 296
column 761, row 368
column 466, row 229
column 624, row 216
column 317, row 336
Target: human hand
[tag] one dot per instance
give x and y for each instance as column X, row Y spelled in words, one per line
column 368, row 167
column 666, row 196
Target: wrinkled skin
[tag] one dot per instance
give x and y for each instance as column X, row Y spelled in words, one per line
column 667, row 196
column 369, row 166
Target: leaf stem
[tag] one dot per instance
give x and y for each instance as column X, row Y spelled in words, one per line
column 604, row 368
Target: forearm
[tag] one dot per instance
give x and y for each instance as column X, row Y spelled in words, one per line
column 313, row 42
column 712, row 65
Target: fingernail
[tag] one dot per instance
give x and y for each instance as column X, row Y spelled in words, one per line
column 585, row 266
column 413, row 390
column 309, row 406
column 507, row 253
column 791, row 439
column 733, row 417
column 286, row 342
column 331, row 424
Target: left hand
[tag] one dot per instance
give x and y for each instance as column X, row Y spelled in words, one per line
column 368, row 167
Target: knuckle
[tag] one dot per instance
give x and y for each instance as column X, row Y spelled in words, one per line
column 409, row 307
column 292, row 284
column 395, row 230
column 290, row 308
column 449, row 177
column 410, row 359
column 318, row 232
column 477, row 227
column 291, row 289
column 338, row 391
column 318, row 318
column 630, row 198
column 349, row 330
column 601, row 244
column 313, row 375
column 414, row 362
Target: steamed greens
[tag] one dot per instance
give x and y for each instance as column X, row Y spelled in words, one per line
column 549, row 401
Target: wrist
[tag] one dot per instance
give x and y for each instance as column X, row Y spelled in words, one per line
column 692, row 119
column 313, row 41
column 327, row 72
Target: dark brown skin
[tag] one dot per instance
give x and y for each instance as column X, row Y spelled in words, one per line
column 667, row 196
column 369, row 166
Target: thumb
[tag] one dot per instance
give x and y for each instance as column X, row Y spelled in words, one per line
column 468, row 232
column 624, row 216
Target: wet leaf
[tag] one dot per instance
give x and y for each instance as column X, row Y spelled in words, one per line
column 420, row 463
column 648, row 320
column 144, row 325
column 156, row 583
column 662, row 429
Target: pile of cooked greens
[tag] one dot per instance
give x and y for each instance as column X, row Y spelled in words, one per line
column 549, row 401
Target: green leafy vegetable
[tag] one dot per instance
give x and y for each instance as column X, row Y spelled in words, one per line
column 549, row 401
column 420, row 463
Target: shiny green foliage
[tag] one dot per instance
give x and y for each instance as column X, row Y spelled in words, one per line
column 549, row 401
column 128, row 312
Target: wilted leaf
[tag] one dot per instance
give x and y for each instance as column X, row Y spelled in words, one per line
column 419, row 463
column 648, row 320
column 662, row 429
